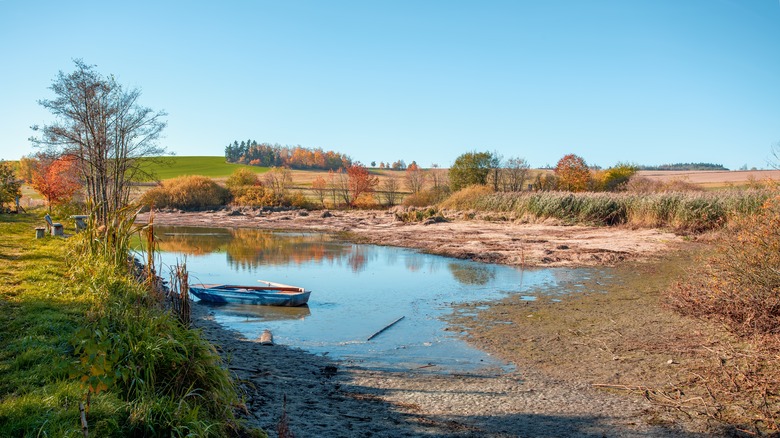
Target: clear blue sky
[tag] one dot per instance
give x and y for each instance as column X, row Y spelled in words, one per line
column 644, row 81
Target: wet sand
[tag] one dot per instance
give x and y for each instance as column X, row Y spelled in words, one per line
column 328, row 398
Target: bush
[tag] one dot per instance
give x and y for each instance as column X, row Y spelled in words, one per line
column 427, row 197
column 467, row 198
column 187, row 193
column 414, row 214
column 253, row 196
column 738, row 285
column 242, row 177
column 740, row 282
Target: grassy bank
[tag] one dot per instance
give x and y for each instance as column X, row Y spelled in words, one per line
column 75, row 330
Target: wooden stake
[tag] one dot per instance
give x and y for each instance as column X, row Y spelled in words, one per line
column 84, row 427
column 384, row 328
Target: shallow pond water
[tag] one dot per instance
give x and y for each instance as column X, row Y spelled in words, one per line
column 356, row 291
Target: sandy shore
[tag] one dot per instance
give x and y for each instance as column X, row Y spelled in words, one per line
column 329, row 398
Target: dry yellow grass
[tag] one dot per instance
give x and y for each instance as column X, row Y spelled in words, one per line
column 713, row 178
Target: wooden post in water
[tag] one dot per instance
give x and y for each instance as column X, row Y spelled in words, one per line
column 384, row 328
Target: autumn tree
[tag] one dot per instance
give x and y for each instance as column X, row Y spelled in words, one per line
column 10, row 186
column 56, row 179
column 360, row 181
column 104, row 127
column 617, row 176
column 469, row 169
column 573, row 173
column 398, row 165
column 320, row 187
column 25, row 167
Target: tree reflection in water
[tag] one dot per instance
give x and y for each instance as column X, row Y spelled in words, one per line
column 248, row 249
column 470, row 274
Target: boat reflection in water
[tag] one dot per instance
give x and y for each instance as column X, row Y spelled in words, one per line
column 254, row 313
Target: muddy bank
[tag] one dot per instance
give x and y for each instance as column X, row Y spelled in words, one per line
column 327, row 398
column 492, row 242
column 611, row 332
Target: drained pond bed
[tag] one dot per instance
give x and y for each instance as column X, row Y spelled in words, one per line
column 357, row 290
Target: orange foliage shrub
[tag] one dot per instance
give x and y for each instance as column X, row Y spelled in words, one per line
column 56, row 180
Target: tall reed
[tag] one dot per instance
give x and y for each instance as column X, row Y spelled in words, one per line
column 683, row 211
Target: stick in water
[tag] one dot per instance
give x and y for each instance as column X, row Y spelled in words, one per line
column 384, row 328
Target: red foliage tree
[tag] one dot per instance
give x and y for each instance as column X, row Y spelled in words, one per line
column 360, row 181
column 573, row 173
column 56, row 179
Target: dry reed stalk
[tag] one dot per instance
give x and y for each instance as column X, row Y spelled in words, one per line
column 283, row 427
column 179, row 294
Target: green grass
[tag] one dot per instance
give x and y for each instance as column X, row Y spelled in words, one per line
column 73, row 324
column 213, row 167
column 38, row 316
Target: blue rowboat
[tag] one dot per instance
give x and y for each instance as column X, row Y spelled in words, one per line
column 268, row 294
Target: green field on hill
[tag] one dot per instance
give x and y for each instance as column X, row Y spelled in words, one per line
column 213, row 167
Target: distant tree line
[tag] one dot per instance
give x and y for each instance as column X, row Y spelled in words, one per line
column 684, row 166
column 275, row 155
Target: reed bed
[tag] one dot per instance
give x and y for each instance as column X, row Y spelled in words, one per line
column 682, row 211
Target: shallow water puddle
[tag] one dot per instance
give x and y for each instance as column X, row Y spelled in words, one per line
column 356, row 291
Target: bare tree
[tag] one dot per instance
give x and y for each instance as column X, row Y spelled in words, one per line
column 415, row 179
column 279, row 180
column 438, row 177
column 332, row 187
column 388, row 190
column 515, row 174
column 106, row 129
column 341, row 186
column 496, row 170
